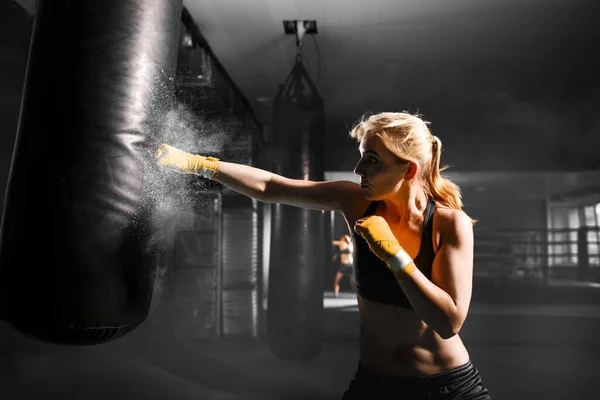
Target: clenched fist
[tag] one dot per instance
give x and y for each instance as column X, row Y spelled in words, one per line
column 377, row 233
column 382, row 242
column 186, row 163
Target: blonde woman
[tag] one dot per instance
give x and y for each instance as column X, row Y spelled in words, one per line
column 413, row 254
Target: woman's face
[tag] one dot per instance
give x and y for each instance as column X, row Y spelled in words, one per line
column 381, row 172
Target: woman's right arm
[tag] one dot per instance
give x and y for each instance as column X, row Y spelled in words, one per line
column 268, row 187
column 263, row 185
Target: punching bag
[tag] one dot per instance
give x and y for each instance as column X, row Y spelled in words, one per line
column 295, row 297
column 74, row 262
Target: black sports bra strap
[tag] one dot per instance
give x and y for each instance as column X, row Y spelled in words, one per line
column 372, row 208
column 428, row 223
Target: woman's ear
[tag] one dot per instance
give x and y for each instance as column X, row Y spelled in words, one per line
column 411, row 171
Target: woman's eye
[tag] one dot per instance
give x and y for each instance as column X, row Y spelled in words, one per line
column 372, row 159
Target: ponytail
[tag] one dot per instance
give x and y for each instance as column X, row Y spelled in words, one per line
column 442, row 189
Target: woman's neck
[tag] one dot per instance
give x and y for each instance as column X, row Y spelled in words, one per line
column 407, row 207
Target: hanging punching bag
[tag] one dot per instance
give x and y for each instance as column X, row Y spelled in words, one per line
column 295, row 297
column 74, row 261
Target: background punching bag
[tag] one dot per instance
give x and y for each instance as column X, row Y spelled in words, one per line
column 74, row 261
column 295, row 297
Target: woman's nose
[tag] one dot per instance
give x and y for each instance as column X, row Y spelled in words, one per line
column 358, row 169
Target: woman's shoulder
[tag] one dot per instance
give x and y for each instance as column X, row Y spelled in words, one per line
column 451, row 216
column 353, row 203
column 450, row 223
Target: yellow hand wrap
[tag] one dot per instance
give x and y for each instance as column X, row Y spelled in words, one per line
column 382, row 242
column 186, row 163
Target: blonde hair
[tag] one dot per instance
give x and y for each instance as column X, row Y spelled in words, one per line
column 409, row 138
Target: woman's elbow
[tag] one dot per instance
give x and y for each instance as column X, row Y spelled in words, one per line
column 447, row 333
column 451, row 328
column 267, row 192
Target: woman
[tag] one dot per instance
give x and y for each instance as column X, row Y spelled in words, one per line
column 413, row 255
column 345, row 250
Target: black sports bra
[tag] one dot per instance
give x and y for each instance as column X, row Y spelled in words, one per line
column 372, row 278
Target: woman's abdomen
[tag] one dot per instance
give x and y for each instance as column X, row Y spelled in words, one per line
column 395, row 341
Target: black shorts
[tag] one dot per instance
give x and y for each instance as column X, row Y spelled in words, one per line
column 460, row 383
column 345, row 268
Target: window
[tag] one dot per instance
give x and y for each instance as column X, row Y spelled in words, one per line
column 592, row 216
column 562, row 237
column 565, row 222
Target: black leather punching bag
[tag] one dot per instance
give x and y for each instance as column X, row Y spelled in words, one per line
column 295, row 297
column 74, row 261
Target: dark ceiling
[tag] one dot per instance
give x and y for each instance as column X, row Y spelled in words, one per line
column 507, row 84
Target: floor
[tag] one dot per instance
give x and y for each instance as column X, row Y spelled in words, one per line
column 533, row 352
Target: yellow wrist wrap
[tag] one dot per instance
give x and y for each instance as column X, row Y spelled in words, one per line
column 186, row 163
column 401, row 265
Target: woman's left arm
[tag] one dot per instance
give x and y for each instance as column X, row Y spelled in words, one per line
column 442, row 302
